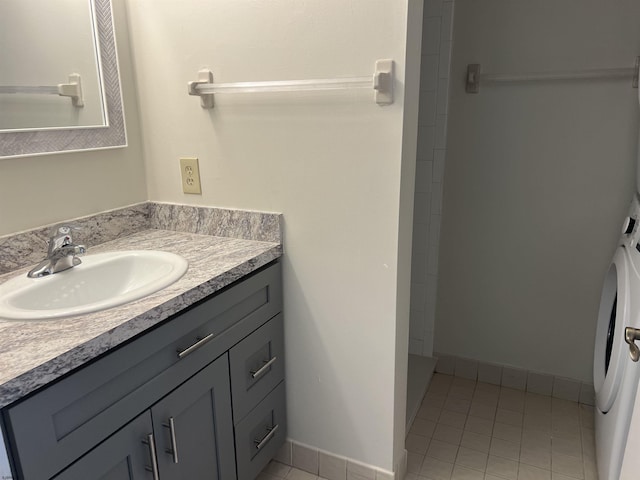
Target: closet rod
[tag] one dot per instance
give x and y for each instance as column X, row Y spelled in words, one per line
column 73, row 89
column 381, row 82
column 475, row 76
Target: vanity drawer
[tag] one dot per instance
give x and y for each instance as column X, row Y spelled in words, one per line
column 257, row 366
column 55, row 426
column 260, row 434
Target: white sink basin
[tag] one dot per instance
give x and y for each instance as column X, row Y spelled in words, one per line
column 101, row 281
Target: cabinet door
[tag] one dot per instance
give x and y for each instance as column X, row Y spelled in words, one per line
column 123, row 456
column 193, row 427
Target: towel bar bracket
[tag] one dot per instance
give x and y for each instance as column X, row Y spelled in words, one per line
column 383, row 82
column 204, row 77
column 72, row 89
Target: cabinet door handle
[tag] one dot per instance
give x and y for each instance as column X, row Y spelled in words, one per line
column 150, row 441
column 267, row 364
column 271, row 431
column 174, row 445
column 195, row 346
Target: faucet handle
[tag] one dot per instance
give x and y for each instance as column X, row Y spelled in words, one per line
column 60, row 236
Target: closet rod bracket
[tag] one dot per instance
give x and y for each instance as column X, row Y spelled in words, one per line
column 473, row 78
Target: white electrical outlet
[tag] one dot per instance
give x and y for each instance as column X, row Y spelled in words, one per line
column 190, row 175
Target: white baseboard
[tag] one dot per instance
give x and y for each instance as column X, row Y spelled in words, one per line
column 335, row 467
column 517, row 378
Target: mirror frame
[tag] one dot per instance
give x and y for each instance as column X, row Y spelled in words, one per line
column 60, row 140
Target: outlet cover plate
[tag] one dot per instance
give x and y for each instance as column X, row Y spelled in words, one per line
column 190, row 173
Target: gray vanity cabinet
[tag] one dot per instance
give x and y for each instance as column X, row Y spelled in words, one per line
column 188, row 434
column 197, row 383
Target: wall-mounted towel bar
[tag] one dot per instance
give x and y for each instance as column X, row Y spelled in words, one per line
column 72, row 89
column 475, row 77
column 381, row 82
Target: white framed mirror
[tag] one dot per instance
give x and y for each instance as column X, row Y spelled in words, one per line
column 42, row 121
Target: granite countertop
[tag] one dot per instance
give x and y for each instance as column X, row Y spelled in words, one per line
column 34, row 353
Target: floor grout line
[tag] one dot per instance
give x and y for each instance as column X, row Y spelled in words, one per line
column 535, row 436
column 506, row 433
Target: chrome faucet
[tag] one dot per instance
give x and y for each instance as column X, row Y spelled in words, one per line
column 61, row 254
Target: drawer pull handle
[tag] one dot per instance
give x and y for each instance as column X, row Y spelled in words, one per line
column 195, row 346
column 271, row 431
column 267, row 364
column 152, row 453
column 174, row 445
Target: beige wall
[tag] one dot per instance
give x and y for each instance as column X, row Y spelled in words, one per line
column 44, row 189
column 331, row 162
column 537, row 181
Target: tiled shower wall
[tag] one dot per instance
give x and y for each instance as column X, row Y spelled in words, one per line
column 432, row 133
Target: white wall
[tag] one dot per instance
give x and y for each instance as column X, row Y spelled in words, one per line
column 432, row 137
column 405, row 221
column 537, row 181
column 331, row 162
column 44, row 189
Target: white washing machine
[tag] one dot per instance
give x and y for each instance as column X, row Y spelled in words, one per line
column 616, row 374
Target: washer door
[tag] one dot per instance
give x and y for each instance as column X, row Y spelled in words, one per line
column 610, row 354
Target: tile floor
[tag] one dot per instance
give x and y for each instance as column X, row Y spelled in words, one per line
column 279, row 471
column 467, row 430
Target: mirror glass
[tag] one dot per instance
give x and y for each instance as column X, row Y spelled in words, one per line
column 59, row 78
column 65, row 46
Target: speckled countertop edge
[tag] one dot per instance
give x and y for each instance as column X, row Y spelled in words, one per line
column 35, row 353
